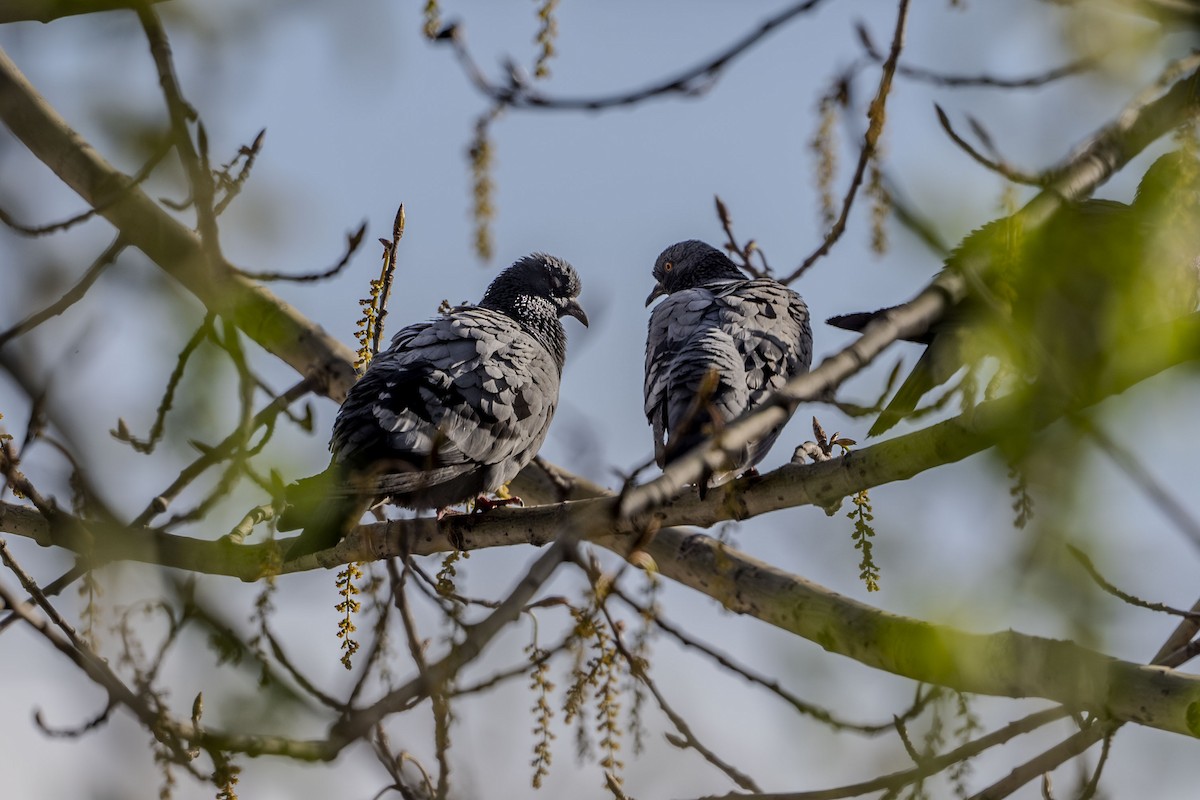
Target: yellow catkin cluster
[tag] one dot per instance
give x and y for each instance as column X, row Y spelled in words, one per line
column 482, row 156
column 366, row 327
column 545, row 38
column 881, row 206
column 432, row 14
column 863, row 533
column 540, row 683
column 824, row 146
column 349, row 606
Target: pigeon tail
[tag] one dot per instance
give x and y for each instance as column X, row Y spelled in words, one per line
column 858, row 321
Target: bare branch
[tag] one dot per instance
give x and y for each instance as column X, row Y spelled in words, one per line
column 358, row 723
column 999, row 167
column 353, row 240
column 687, row 739
column 70, row 222
column 72, row 296
column 269, row 321
column 876, row 113
column 801, row 706
column 1107, row 152
column 50, row 10
column 930, row 766
column 1044, row 762
column 515, row 93
column 195, row 158
column 1076, row 67
column 1099, row 580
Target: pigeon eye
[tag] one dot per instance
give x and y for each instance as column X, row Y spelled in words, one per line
column 667, row 267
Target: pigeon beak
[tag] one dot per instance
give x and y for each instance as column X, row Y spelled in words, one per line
column 573, row 309
column 658, row 292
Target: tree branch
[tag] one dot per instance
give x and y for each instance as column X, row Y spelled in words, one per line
column 930, row 766
column 1007, row 664
column 1136, row 127
column 692, row 81
column 50, row 10
column 266, row 319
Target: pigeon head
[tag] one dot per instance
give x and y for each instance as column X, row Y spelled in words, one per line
column 536, row 292
column 689, row 264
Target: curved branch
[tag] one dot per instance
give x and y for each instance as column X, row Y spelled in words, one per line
column 50, row 10
column 592, row 509
column 70, row 297
column 1001, row 168
column 1006, row 664
column 692, row 81
column 930, row 766
column 1076, row 67
column 876, row 114
column 1109, row 150
column 274, row 324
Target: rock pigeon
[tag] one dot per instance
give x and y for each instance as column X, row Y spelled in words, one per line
column 1059, row 299
column 717, row 346
column 454, row 408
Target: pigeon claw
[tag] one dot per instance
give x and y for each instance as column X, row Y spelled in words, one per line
column 484, row 503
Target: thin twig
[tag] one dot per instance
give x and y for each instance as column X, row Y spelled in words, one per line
column 356, row 724
column 304, row 683
column 692, row 82
column 138, row 177
column 147, row 445
column 999, row 167
column 1076, row 67
column 79, row 730
column 930, row 766
column 876, row 113
column 807, row 709
column 514, row 671
column 1133, row 468
column 1044, row 762
column 233, row 184
column 214, row 455
column 637, row 669
column 387, row 273
column 1095, row 575
column 194, row 158
column 353, row 240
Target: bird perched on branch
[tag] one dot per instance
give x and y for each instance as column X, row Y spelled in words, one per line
column 1056, row 301
column 717, row 346
column 454, row 408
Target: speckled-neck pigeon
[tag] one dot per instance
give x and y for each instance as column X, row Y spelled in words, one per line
column 454, row 408
column 717, row 346
column 1058, row 300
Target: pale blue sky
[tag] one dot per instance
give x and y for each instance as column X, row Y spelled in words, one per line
column 362, row 113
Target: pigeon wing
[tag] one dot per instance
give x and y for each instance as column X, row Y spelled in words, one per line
column 674, row 323
column 471, row 391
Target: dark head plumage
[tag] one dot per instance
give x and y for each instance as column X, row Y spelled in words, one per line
column 537, row 291
column 688, row 264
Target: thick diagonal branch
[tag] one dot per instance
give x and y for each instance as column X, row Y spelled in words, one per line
column 274, row 324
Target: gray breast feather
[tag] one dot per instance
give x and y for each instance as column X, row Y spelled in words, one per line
column 737, row 341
